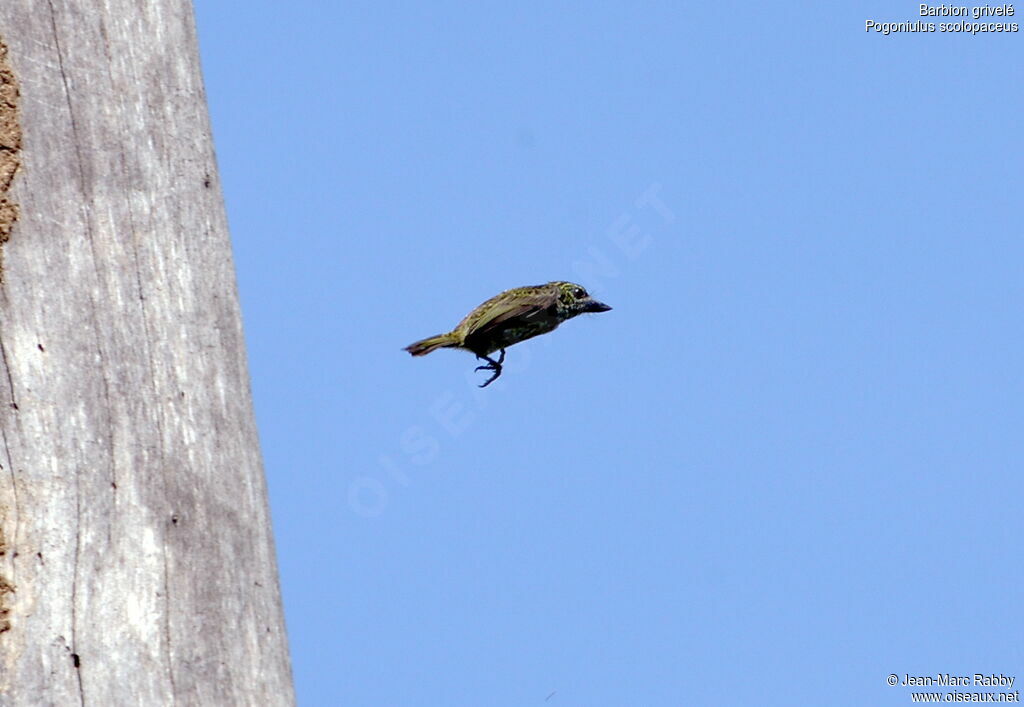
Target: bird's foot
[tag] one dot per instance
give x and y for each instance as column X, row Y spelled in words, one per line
column 492, row 365
column 497, row 372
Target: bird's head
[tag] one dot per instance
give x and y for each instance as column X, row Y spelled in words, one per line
column 574, row 299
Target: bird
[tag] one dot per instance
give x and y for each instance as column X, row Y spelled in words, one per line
column 514, row 315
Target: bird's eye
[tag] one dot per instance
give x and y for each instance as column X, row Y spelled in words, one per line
column 579, row 293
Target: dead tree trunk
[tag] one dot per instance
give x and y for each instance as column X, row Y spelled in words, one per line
column 136, row 559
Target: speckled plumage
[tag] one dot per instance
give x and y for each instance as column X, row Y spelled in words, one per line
column 513, row 316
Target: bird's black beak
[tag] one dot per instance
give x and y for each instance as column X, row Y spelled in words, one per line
column 595, row 306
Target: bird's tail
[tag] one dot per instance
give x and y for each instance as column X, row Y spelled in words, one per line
column 422, row 348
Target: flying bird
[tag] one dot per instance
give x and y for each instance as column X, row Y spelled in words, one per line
column 513, row 316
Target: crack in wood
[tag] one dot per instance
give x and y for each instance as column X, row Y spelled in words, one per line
column 10, row 148
column 5, row 586
column 10, row 160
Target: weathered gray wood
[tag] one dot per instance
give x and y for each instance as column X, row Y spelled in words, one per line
column 135, row 529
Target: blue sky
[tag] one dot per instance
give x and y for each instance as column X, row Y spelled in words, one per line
column 786, row 465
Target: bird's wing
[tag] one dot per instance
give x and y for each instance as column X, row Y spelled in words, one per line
column 524, row 307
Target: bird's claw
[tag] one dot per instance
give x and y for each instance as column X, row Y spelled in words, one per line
column 492, row 365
